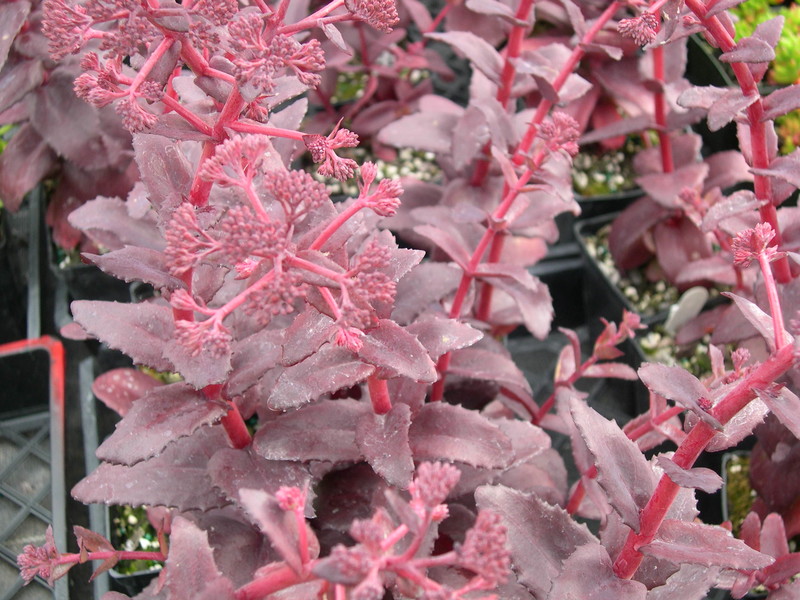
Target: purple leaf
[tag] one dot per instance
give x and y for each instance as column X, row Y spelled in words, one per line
column 278, row 524
column 622, row 470
column 447, row 241
column 383, row 440
column 708, row 545
column 133, row 263
column 12, row 17
column 494, row 8
column 785, row 404
column 781, row 102
column 727, row 107
column 784, row 168
column 321, row 431
column 118, row 389
column 24, row 162
column 233, row 470
column 749, row 50
column 163, row 416
column 68, row 124
column 108, row 222
column 428, row 131
column 325, row 371
column 18, row 80
column 528, row 517
column 717, row 269
column 757, row 318
column 477, row 363
column 138, row 330
column 165, row 171
column 478, row 51
column 178, row 477
column 680, row 386
column 440, row 335
column 530, row 295
column 665, row 188
column 738, row 427
column 700, row 478
column 611, row 369
column 396, row 353
column 423, row 286
column 199, row 370
column 308, row 331
column 589, row 575
column 190, row 565
column 443, row 431
column 738, row 203
column 252, row 357
column 691, row 582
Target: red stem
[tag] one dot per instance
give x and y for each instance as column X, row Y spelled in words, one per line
column 758, row 136
column 653, row 514
column 379, row 395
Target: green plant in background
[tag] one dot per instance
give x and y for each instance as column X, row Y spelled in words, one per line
column 785, row 69
column 131, row 530
column 788, row 128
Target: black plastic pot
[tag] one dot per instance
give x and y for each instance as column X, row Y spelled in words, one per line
column 592, row 207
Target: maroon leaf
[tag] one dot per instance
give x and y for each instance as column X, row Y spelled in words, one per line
column 611, row 369
column 757, row 318
column 322, row 431
column 781, row 102
column 309, row 330
column 278, row 524
column 89, row 541
column 17, row 81
column 12, row 17
column 165, row 170
column 589, row 575
column 622, row 470
column 691, row 582
column 727, row 107
column 452, row 245
column 118, row 389
column 440, row 335
column 426, row 284
column 108, row 222
column 198, row 370
column 252, row 358
column 383, row 440
column 134, row 263
column 178, row 477
column 665, row 188
column 138, row 330
column 477, row 363
column 478, row 51
column 396, row 353
column 528, row 517
column 234, row 470
column 445, row 431
column 326, row 371
column 24, row 162
column 700, row 478
column 785, row 404
column 530, row 295
column 160, row 418
column 190, row 565
column 708, row 545
column 738, row 203
column 749, row 50
column 678, row 385
column 428, row 131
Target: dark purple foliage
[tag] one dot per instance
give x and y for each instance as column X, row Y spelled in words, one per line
column 348, row 422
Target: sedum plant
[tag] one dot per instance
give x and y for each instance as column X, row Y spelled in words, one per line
column 363, row 474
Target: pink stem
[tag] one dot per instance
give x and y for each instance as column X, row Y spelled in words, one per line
column 379, row 395
column 653, row 514
column 758, row 136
